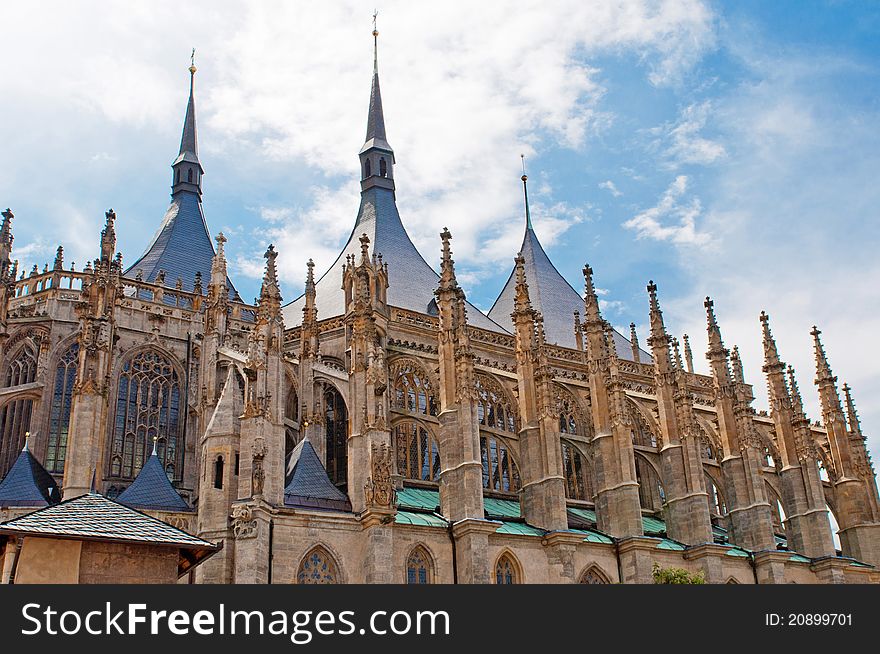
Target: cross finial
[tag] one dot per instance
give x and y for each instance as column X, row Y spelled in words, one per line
column 192, row 62
column 375, row 43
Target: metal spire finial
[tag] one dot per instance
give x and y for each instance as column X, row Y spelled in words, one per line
column 375, row 43
column 526, row 192
column 192, row 62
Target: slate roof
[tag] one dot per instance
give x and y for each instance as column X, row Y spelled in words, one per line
column 553, row 296
column 95, row 517
column 376, row 137
column 411, row 281
column 152, row 490
column 308, row 485
column 28, row 484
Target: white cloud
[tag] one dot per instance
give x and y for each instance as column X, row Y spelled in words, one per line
column 685, row 143
column 609, row 186
column 672, row 219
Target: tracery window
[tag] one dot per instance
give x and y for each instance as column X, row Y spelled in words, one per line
column 593, row 575
column 15, row 422
column 336, row 425
column 578, row 480
column 148, row 406
column 59, row 414
column 419, row 566
column 291, row 417
column 651, row 493
column 23, row 368
column 641, row 433
column 418, row 456
column 716, row 500
column 500, row 471
column 494, row 408
column 506, row 571
column 317, row 567
column 568, row 415
column 413, row 393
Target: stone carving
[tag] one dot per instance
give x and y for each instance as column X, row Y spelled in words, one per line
column 258, row 474
column 243, row 523
column 379, row 490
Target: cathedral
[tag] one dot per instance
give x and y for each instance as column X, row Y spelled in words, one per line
column 381, row 429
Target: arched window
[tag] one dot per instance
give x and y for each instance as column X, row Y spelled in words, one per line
column 383, row 167
column 578, row 481
column 291, row 418
column 569, row 416
column 367, row 171
column 651, row 493
column 218, row 472
column 23, row 368
column 412, row 393
column 716, row 499
column 419, row 566
column 15, row 422
column 177, row 176
column 148, row 406
column 593, row 575
column 189, row 175
column 418, row 456
column 494, row 408
column 59, row 415
column 506, row 570
column 336, row 424
column 500, row 472
column 641, row 433
column 317, row 567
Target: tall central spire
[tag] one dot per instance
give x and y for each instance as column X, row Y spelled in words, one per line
column 376, row 155
column 186, row 167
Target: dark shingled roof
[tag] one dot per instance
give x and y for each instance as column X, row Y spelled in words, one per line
column 152, row 490
column 309, row 486
column 553, row 296
column 411, row 281
column 28, row 484
column 95, row 517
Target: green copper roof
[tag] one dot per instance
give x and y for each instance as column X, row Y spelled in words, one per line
column 419, row 519
column 669, row 544
column 423, row 499
column 653, row 526
column 584, row 514
column 737, row 551
column 501, row 508
column 593, row 536
column 519, row 529
column 798, row 558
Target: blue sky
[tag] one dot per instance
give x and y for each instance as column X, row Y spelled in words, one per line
column 728, row 149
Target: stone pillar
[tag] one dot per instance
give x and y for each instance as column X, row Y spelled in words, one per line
column 770, row 566
column 806, row 524
column 636, row 559
column 543, row 486
column 710, row 558
column 252, row 531
column 855, row 488
column 749, row 510
column 560, row 547
column 687, row 502
column 472, row 550
column 618, row 511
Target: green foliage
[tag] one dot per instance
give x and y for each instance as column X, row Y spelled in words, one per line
column 676, row 576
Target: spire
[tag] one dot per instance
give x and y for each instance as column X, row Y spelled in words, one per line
column 591, row 300
column 218, row 262
column 852, row 416
column 6, row 239
column 737, row 366
column 522, row 305
column 771, row 354
column 447, row 264
column 823, row 370
column 187, row 168
column 108, row 236
column 715, row 342
column 677, row 354
column 634, row 342
column 525, row 179
column 797, row 402
column 688, row 354
column 377, row 157
column 59, row 259
column 578, row 331
column 270, row 294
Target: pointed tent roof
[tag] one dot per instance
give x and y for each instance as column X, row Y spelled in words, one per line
column 151, row 489
column 551, row 295
column 309, row 486
column 182, row 245
column 28, row 484
column 412, row 280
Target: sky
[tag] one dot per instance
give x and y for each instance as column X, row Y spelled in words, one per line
column 723, row 149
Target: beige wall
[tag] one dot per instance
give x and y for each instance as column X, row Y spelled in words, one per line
column 48, row 561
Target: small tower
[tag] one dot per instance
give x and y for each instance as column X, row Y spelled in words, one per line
column 376, row 155
column 186, row 169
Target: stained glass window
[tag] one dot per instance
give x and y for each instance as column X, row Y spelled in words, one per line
column 578, row 479
column 505, row 570
column 59, row 414
column 148, row 406
column 499, row 469
column 418, row 567
column 23, row 368
column 494, row 408
column 15, row 422
column 336, row 424
column 317, row 567
column 412, row 393
column 418, row 456
column 593, row 575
